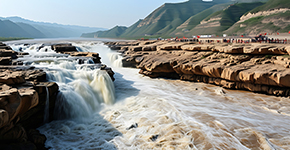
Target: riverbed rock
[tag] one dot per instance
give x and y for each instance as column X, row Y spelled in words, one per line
column 94, row 56
column 61, row 48
column 256, row 67
column 22, row 101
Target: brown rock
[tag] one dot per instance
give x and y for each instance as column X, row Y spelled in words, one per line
column 63, row 48
column 5, row 60
column 10, row 77
column 4, row 118
column 94, row 56
column 15, row 134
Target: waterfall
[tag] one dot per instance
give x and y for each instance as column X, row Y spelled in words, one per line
column 115, row 59
column 153, row 113
column 46, row 109
column 83, row 87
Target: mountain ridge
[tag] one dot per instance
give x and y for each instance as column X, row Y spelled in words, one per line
column 221, row 17
column 46, row 29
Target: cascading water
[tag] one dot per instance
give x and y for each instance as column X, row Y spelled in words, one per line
column 156, row 113
column 82, row 87
column 46, row 109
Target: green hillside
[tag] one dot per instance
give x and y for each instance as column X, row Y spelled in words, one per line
column 220, row 21
column 276, row 22
column 184, row 29
column 272, row 4
column 167, row 17
column 114, row 32
column 186, row 19
column 164, row 20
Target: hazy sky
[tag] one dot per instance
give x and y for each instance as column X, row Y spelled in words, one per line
column 94, row 13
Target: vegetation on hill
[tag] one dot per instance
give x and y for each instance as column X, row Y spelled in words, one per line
column 165, row 19
column 263, row 24
column 225, row 18
column 277, row 22
column 114, row 32
column 272, row 4
column 184, row 29
column 196, row 17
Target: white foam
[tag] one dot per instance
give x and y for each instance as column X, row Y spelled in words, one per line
column 157, row 113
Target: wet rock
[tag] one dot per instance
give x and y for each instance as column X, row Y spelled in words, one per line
column 4, row 118
column 132, row 126
column 94, row 56
column 61, row 48
column 5, row 47
column 8, row 53
column 109, row 71
column 154, row 138
column 5, row 60
column 22, row 101
column 37, row 138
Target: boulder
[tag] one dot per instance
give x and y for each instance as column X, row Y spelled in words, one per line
column 94, row 56
column 61, row 48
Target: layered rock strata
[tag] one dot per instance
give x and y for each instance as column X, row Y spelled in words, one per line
column 262, row 68
column 23, row 96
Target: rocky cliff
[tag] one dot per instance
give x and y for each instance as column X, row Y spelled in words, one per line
column 256, row 67
column 24, row 92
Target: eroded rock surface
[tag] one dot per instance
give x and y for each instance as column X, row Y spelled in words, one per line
column 22, row 99
column 255, row 67
column 23, row 96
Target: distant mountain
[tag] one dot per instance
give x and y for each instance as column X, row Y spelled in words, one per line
column 52, row 30
column 114, row 32
column 186, row 19
column 11, row 29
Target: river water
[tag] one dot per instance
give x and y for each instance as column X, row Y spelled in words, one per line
column 136, row 112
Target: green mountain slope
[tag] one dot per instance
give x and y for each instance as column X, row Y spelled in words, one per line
column 11, row 29
column 272, row 4
column 114, row 32
column 168, row 17
column 256, row 23
column 187, row 18
column 224, row 19
column 165, row 19
column 184, row 29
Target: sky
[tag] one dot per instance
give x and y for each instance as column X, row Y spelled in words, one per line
column 92, row 13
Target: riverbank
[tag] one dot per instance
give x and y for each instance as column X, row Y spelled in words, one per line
column 256, row 67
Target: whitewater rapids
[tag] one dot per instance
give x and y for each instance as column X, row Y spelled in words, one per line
column 136, row 112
